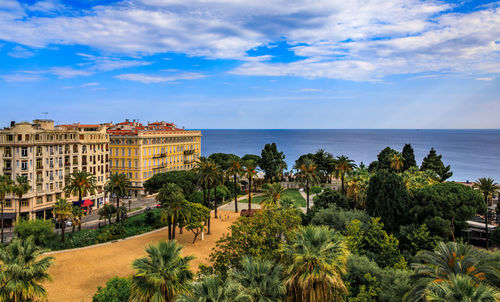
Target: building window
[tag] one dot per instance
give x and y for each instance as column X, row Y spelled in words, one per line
column 8, row 203
column 24, row 151
column 8, row 152
column 49, row 198
column 24, row 202
column 39, row 200
column 24, row 165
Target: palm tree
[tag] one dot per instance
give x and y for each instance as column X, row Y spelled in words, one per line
column 235, row 169
column 6, row 185
column 487, row 187
column 250, row 171
column 343, row 165
column 307, row 176
column 21, row 187
column 260, row 279
column 449, row 259
column 216, row 177
column 461, row 288
column 80, row 183
column 317, row 259
column 174, row 206
column 118, row 184
column 397, row 161
column 22, row 270
column 204, row 180
column 62, row 210
column 163, row 275
column 76, row 218
column 212, row 289
column 273, row 193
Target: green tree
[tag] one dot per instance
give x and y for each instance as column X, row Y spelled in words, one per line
column 450, row 259
column 6, row 186
column 202, row 170
column 260, row 279
column 271, row 162
column 212, row 289
column 76, row 218
column 62, row 210
column 388, row 198
column 116, row 290
column 397, row 162
column 162, row 275
column 250, row 171
column 235, row 170
column 461, row 288
column 107, row 211
column 325, row 163
column 316, row 262
column 80, row 183
column 184, row 179
column 383, row 160
column 118, row 185
column 251, row 157
column 258, row 236
column 408, row 157
column 488, row 187
column 21, row 187
column 174, row 206
column 445, row 208
column 42, row 231
column 22, row 270
column 217, row 177
column 198, row 214
column 433, row 162
column 223, row 160
column 343, row 165
column 307, row 177
column 273, row 193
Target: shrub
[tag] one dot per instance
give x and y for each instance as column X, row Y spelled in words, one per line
column 41, row 230
column 113, row 232
column 316, row 190
column 116, row 290
column 338, row 218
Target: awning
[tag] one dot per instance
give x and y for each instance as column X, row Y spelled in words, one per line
column 87, row 203
column 8, row 215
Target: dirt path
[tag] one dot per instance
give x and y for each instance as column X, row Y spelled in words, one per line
column 77, row 274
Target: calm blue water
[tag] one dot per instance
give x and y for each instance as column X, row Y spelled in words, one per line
column 471, row 153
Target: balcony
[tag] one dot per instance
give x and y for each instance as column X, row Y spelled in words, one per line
column 160, row 155
column 39, row 180
column 188, row 161
column 7, row 169
column 189, row 152
column 39, row 167
column 7, row 155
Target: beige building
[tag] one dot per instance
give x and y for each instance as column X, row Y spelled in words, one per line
column 47, row 155
column 141, row 151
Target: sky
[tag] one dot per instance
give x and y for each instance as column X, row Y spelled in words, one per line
column 253, row 64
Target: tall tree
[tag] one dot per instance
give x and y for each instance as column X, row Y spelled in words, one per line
column 216, row 177
column 250, row 171
column 325, row 163
column 235, row 170
column 118, row 185
column 388, row 198
column 260, row 279
column 223, row 160
column 76, row 218
column 461, row 288
column 383, row 160
column 307, row 176
column 80, row 183
column 343, row 165
column 271, row 162
column 6, row 186
column 23, row 269
column 487, row 187
column 408, row 157
column 316, row 262
column 21, row 187
column 171, row 199
column 433, row 162
column 62, row 211
column 397, row 162
column 202, row 170
column 162, row 275
column 253, row 157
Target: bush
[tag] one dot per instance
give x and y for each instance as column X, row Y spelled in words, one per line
column 113, row 232
column 316, row 190
column 324, row 200
column 73, row 240
column 338, row 218
column 41, row 230
column 116, row 290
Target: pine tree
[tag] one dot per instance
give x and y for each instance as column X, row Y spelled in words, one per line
column 408, row 157
column 433, row 162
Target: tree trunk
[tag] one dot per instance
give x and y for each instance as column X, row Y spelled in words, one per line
column 80, row 199
column 129, row 202
column 215, row 201
column 249, row 193
column 174, row 224
column 63, row 227
column 80, row 224
column 18, row 214
column 235, row 195
column 208, row 225
column 73, row 228
column 307, row 193
column 195, row 236
column 3, row 201
column 117, row 206
column 342, row 179
column 486, row 219
column 169, row 219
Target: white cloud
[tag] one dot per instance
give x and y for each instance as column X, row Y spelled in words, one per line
column 90, row 84
column 21, row 77
column 148, row 79
column 485, row 79
column 355, row 40
column 68, row 72
column 20, row 52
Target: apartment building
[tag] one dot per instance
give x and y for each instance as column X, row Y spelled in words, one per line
column 141, row 151
column 47, row 155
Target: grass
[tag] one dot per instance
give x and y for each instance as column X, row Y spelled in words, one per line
column 293, row 194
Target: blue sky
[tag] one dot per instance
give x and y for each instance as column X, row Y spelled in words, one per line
column 253, row 64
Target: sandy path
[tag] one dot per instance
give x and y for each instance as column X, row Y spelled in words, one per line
column 76, row 274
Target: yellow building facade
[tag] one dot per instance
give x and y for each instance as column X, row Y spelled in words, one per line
column 141, row 151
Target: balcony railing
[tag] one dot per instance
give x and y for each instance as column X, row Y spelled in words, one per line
column 160, row 155
column 189, row 152
column 7, row 168
column 40, row 167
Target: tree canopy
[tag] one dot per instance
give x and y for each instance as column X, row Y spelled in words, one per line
column 272, row 162
column 433, row 162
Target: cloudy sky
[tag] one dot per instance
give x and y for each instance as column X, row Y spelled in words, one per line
column 253, row 63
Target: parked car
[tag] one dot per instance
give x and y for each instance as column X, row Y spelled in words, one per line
column 57, row 223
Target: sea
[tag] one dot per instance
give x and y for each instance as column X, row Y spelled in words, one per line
column 470, row 153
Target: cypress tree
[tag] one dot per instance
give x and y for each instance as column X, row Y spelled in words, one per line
column 408, row 157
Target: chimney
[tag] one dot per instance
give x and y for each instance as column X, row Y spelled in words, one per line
column 127, row 120
column 12, row 123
